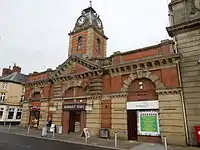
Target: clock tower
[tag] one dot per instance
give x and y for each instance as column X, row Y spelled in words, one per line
column 88, row 38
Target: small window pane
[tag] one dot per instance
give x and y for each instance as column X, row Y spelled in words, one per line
column 10, row 115
column 80, row 42
column 1, row 114
column 18, row 115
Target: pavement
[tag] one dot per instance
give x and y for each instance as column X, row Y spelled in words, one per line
column 18, row 142
column 73, row 140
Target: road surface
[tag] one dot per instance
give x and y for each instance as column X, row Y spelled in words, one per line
column 17, row 142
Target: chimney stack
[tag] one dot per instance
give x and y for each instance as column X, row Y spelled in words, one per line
column 8, row 71
column 16, row 68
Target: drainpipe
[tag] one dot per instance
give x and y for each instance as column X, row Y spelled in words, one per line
column 182, row 98
column 180, row 83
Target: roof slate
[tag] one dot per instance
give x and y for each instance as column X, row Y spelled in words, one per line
column 14, row 77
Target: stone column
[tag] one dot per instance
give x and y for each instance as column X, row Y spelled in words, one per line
column 25, row 115
column 82, row 120
column 57, row 115
column 119, row 117
column 171, row 116
column 43, row 114
column 93, row 118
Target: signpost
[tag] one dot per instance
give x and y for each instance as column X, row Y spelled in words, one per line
column 85, row 133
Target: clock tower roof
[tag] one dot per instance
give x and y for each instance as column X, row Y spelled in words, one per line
column 88, row 18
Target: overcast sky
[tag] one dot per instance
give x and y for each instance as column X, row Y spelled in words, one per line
column 34, row 33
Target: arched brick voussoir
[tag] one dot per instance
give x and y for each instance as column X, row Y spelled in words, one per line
column 142, row 74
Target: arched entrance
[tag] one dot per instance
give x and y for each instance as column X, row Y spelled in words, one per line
column 74, row 114
column 142, row 106
column 34, row 116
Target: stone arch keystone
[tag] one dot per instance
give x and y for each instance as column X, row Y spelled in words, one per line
column 142, row 74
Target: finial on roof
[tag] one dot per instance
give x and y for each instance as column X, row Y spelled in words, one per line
column 90, row 3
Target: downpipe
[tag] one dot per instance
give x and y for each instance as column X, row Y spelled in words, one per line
column 183, row 104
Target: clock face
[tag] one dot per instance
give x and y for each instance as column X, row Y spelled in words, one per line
column 81, row 20
column 99, row 23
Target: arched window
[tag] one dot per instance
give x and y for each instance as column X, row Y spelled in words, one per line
column 98, row 44
column 80, row 42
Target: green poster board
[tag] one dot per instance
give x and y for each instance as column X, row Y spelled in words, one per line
column 148, row 123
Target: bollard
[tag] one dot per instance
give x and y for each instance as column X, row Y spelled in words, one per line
column 28, row 132
column 115, row 139
column 86, row 139
column 9, row 128
column 165, row 142
column 53, row 133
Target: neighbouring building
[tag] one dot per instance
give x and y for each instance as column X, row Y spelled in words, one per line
column 135, row 93
column 11, row 95
column 185, row 29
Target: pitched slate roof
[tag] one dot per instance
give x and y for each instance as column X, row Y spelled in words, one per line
column 14, row 77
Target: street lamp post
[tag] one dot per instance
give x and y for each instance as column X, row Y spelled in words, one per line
column 6, row 114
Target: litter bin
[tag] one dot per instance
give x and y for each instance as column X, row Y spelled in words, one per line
column 44, row 131
column 104, row 133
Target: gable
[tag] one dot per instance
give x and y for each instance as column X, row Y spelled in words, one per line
column 75, row 67
column 74, row 64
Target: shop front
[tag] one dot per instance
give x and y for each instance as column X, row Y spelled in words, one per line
column 143, row 120
column 34, row 115
column 74, row 117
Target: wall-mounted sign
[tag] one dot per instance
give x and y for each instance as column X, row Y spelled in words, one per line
column 35, row 107
column 52, row 108
column 148, row 123
column 142, row 105
column 74, row 106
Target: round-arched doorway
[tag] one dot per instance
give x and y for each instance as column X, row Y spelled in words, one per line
column 34, row 116
column 142, row 111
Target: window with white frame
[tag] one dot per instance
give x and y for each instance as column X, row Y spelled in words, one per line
column 1, row 112
column 11, row 113
column 4, row 85
column 2, row 96
column 19, row 113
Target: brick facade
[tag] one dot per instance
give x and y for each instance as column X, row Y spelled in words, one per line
column 102, row 86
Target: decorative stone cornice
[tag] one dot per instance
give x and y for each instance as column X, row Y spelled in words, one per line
column 76, row 97
column 26, row 101
column 116, row 95
column 81, row 75
column 94, row 97
column 169, row 91
column 39, row 83
column 158, row 61
column 45, row 100
column 183, row 27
